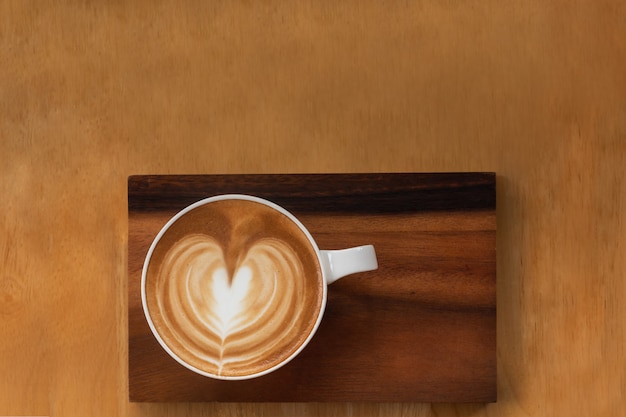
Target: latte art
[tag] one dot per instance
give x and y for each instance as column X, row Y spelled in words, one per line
column 232, row 305
column 226, row 319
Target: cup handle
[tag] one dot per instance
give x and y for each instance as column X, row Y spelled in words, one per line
column 339, row 263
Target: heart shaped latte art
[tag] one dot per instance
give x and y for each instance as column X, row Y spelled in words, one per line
column 231, row 325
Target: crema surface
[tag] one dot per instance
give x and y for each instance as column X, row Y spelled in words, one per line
column 234, row 288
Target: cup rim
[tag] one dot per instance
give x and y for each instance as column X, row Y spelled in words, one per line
column 164, row 230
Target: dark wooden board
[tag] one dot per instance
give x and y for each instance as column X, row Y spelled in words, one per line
column 422, row 328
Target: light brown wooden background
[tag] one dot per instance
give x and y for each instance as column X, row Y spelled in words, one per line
column 93, row 91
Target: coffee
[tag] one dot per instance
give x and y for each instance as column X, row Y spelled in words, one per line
column 234, row 287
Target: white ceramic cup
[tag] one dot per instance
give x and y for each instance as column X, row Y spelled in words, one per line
column 334, row 264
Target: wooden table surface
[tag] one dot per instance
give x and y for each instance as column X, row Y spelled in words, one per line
column 92, row 92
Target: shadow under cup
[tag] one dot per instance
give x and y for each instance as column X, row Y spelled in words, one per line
column 232, row 287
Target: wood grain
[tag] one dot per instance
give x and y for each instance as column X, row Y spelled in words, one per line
column 420, row 328
column 92, row 92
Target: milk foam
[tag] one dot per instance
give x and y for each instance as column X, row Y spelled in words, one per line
column 231, row 325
